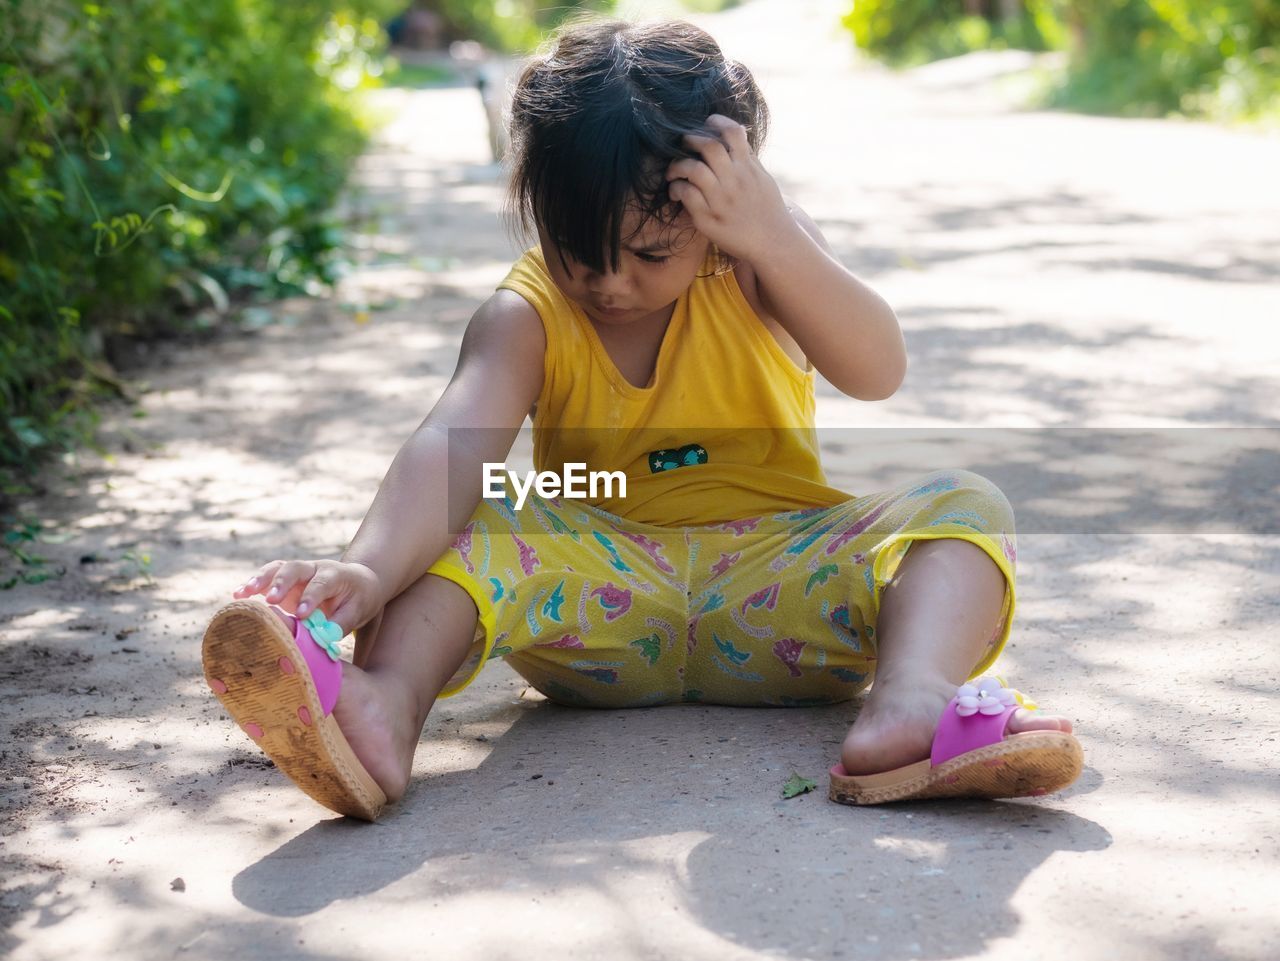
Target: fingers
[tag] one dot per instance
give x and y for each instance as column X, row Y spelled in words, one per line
column 732, row 133
column 324, row 585
column 694, row 200
column 727, row 142
column 347, row 616
column 280, row 582
column 694, row 171
column 719, row 155
column 290, row 580
column 259, row 582
column 713, row 152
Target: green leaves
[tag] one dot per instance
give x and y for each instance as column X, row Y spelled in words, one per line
column 797, row 785
column 147, row 144
column 18, row 537
column 1209, row 58
column 909, row 32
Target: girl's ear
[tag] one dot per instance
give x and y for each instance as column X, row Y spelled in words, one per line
column 722, row 263
column 716, row 263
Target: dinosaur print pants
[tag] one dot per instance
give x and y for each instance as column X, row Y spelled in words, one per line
column 598, row 611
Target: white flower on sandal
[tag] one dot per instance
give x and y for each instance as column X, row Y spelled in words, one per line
column 986, row 695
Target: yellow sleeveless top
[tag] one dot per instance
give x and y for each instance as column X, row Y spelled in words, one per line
column 723, row 431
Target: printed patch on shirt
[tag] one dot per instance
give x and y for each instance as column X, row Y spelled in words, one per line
column 660, row 460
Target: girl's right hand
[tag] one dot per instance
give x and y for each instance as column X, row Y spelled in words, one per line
column 347, row 593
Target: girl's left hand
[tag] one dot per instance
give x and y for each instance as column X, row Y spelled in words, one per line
column 732, row 199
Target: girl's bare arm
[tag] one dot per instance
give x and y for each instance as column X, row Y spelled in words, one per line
column 434, row 483
column 846, row 328
column 842, row 325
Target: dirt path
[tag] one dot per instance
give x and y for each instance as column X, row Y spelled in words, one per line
column 1051, row 271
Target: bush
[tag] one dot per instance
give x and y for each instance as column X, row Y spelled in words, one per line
column 157, row 156
column 1219, row 58
column 910, row 32
column 1156, row 57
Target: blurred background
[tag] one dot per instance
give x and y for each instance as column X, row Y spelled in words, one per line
column 170, row 167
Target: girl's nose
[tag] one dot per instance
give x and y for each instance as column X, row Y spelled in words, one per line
column 609, row 282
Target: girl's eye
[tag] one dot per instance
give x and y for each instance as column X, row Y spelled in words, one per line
column 652, row 259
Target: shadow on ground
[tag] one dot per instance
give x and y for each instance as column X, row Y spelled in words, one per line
column 552, row 809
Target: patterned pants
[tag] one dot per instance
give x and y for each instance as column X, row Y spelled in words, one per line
column 597, row 611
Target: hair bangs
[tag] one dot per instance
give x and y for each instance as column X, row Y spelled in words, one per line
column 582, row 184
column 597, row 121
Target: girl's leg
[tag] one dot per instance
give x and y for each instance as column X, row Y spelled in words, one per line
column 422, row 637
column 937, row 616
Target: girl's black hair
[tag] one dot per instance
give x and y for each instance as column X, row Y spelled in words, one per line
column 596, row 121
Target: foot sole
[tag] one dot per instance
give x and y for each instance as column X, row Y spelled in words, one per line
column 253, row 665
column 1030, row 764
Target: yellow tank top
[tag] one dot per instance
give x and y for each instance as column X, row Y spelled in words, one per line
column 723, row 431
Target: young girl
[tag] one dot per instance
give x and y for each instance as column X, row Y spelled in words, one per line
column 667, row 327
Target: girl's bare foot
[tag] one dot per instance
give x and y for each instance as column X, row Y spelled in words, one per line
column 897, row 722
column 377, row 714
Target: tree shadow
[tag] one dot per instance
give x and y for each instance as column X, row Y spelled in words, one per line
column 26, row 882
column 1175, row 481
column 1062, row 229
column 550, row 808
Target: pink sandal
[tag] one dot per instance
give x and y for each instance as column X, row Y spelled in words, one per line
column 972, row 756
column 251, row 663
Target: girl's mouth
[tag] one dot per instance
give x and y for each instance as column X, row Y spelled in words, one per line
column 611, row 311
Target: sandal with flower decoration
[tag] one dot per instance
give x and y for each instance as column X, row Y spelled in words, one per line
column 972, row 756
column 280, row 686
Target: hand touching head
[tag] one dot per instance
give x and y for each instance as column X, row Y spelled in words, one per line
column 597, row 120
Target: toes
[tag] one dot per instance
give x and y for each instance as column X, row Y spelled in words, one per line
column 1024, row 720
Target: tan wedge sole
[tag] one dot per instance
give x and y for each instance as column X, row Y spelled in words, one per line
column 253, row 665
column 1022, row 765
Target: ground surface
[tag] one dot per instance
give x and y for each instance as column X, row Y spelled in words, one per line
column 1050, row 271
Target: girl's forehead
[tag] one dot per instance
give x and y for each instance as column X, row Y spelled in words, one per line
column 640, row 229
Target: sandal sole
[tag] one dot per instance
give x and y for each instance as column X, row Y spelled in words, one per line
column 246, row 649
column 1030, row 764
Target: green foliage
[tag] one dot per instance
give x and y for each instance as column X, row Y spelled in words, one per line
column 797, row 785
column 19, row 540
column 511, row 25
column 909, row 32
column 139, row 565
column 157, row 156
column 1218, row 59
column 1215, row 58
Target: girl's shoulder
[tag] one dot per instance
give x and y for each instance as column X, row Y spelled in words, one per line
column 506, row 324
column 530, row 279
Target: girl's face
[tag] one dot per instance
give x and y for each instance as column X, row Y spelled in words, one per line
column 658, row 263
